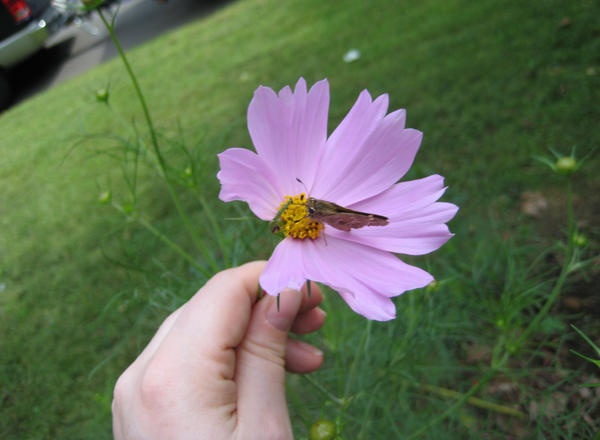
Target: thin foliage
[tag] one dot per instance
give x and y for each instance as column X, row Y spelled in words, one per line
column 482, row 353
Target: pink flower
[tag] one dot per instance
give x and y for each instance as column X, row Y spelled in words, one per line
column 356, row 167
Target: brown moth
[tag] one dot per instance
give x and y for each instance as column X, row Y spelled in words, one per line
column 341, row 218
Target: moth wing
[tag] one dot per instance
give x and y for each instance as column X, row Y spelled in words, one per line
column 346, row 221
column 377, row 220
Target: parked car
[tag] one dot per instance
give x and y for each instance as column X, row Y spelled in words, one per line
column 25, row 25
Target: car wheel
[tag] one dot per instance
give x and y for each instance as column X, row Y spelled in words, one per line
column 5, row 92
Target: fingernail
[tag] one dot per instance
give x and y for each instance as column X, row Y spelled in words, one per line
column 277, row 316
column 310, row 349
column 314, row 350
column 322, row 312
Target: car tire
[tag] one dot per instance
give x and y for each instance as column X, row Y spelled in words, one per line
column 5, row 92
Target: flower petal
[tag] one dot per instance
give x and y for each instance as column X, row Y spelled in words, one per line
column 344, row 143
column 403, row 197
column 416, row 219
column 440, row 212
column 366, row 277
column 245, row 176
column 383, row 158
column 370, row 305
column 285, row 268
column 289, row 131
column 403, row 238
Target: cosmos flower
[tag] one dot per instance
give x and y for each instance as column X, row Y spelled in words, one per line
column 357, row 167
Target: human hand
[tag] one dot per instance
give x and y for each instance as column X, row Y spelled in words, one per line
column 215, row 369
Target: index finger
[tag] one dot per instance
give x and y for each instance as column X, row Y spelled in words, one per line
column 235, row 287
column 219, row 313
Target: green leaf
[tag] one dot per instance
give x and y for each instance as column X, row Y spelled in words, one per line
column 588, row 340
column 593, row 361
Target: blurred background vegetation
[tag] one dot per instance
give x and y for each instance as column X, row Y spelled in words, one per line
column 490, row 83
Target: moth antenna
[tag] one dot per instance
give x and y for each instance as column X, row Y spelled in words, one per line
column 305, row 188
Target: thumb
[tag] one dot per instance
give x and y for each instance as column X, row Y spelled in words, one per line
column 260, row 369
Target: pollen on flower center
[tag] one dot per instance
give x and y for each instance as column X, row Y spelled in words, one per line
column 295, row 220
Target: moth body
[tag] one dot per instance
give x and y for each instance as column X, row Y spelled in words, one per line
column 342, row 218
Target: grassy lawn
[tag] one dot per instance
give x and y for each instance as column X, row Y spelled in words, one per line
column 490, row 83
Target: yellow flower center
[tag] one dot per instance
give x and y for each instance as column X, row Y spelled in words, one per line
column 295, row 220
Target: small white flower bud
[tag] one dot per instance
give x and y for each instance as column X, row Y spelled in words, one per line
column 579, row 239
column 566, row 165
column 104, row 197
column 102, row 95
column 322, row 430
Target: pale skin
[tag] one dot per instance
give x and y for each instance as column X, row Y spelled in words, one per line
column 215, row 369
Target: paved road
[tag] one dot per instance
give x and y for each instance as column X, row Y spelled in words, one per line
column 74, row 50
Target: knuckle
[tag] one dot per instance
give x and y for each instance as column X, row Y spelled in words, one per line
column 275, row 427
column 223, row 279
column 271, row 353
column 122, row 390
column 275, row 433
column 155, row 386
column 272, row 427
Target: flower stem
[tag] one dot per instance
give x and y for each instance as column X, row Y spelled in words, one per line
column 161, row 162
column 461, row 401
column 167, row 241
column 498, row 365
column 502, row 409
column 215, row 226
column 323, row 390
column 357, row 358
column 563, row 273
column 136, row 86
column 174, row 246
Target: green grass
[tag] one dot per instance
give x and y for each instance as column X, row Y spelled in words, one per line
column 490, row 83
